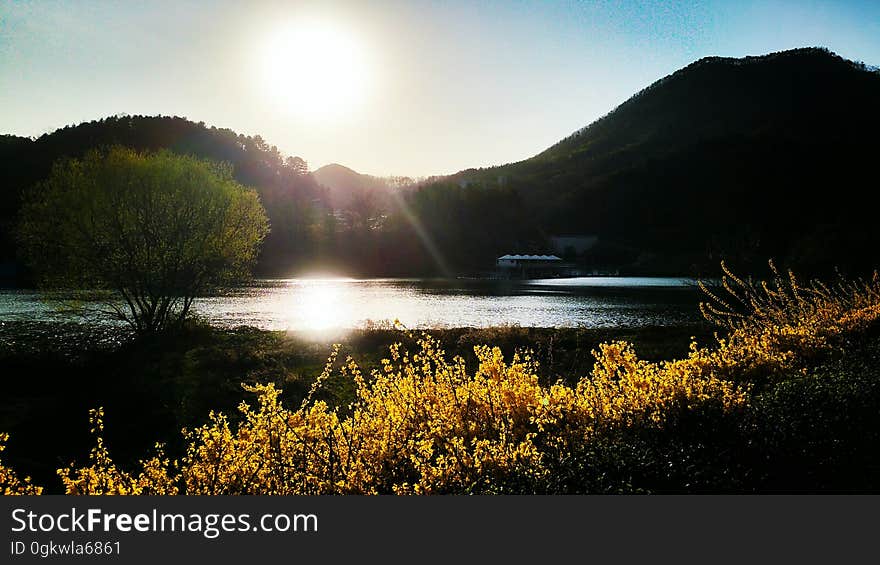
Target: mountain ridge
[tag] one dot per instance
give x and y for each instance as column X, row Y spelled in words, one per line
column 345, row 185
column 702, row 162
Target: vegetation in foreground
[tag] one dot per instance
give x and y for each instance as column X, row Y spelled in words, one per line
column 786, row 400
column 54, row 373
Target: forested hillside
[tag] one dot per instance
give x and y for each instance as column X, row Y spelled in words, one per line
column 291, row 196
column 739, row 158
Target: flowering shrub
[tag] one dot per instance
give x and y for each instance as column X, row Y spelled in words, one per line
column 10, row 484
column 420, row 425
column 779, row 326
column 102, row 476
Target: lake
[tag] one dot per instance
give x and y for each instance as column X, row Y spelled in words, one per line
column 323, row 304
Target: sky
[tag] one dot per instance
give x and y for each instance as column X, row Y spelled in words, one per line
column 386, row 87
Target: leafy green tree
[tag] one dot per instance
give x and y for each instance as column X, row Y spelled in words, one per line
column 157, row 229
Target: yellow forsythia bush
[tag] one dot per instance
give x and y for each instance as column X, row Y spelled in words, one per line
column 103, row 477
column 10, row 484
column 420, row 425
column 780, row 325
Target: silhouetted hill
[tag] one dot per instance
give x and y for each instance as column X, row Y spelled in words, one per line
column 340, row 177
column 346, row 186
column 740, row 158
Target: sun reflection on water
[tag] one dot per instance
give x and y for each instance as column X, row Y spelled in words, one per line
column 318, row 303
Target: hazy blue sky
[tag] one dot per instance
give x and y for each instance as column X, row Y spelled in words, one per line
column 416, row 88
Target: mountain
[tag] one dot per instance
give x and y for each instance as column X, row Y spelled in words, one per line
column 346, row 185
column 770, row 156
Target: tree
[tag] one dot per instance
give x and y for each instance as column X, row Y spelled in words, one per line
column 298, row 165
column 156, row 229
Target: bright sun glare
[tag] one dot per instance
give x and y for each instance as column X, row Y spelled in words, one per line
column 315, row 70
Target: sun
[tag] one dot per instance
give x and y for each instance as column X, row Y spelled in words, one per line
column 315, row 70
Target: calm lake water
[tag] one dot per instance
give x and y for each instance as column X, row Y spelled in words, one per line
column 322, row 304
